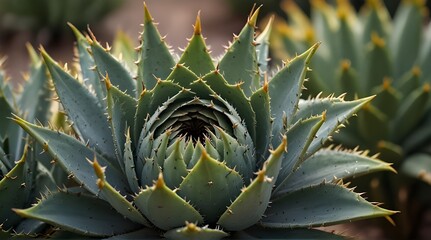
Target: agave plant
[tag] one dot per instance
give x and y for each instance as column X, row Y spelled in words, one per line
column 367, row 53
column 21, row 182
column 193, row 150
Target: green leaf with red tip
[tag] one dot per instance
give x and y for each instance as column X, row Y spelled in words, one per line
column 256, row 196
column 73, row 155
column 108, row 65
column 164, row 208
column 90, row 122
column 203, row 185
column 334, row 204
column 285, row 90
column 155, row 60
column 192, row 232
column 242, row 55
column 79, row 213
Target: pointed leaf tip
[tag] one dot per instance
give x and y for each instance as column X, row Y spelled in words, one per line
column 147, row 15
column 252, row 19
column 198, row 26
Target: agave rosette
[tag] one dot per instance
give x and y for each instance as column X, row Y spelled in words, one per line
column 190, row 155
column 369, row 53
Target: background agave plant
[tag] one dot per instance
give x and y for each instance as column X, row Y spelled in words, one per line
column 368, row 53
column 21, row 182
column 188, row 156
column 19, row 15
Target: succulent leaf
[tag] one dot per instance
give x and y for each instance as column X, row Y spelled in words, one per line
column 285, row 89
column 241, row 54
column 91, row 122
column 14, row 192
column 72, row 155
column 155, row 60
column 203, row 185
column 255, row 196
column 328, row 165
column 301, row 208
column 164, row 208
column 418, row 166
column 96, row 217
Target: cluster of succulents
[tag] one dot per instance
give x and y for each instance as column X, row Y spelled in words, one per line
column 195, row 148
column 18, row 15
column 366, row 53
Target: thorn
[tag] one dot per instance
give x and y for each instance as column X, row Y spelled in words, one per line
column 198, row 27
column 147, row 15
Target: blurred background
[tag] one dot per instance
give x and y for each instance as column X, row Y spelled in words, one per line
column 44, row 22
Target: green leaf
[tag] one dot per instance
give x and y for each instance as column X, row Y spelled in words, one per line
column 256, row 196
column 373, row 124
column 182, row 75
column 14, row 192
column 108, row 65
column 262, row 48
column 378, row 65
column 234, row 96
column 73, row 155
column 121, row 112
column 196, row 55
column 164, row 208
column 337, row 112
column 411, row 112
column 155, row 60
column 300, row 137
column 124, row 50
column 418, row 166
column 86, row 62
column 116, row 200
column 90, row 121
column 285, row 90
column 193, row 232
column 347, row 81
column 334, row 204
column 79, row 213
column 129, row 164
column 205, row 182
column 241, row 54
column 174, row 167
column 260, row 103
column 406, row 36
column 329, row 164
column 348, row 40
